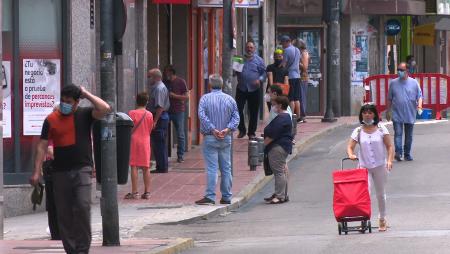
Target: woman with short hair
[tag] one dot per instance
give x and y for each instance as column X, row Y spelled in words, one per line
column 278, row 145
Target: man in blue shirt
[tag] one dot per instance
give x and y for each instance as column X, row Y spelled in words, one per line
column 219, row 117
column 248, row 89
column 404, row 100
column 291, row 61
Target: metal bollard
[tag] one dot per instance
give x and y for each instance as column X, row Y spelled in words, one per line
column 253, row 155
column 260, row 141
column 294, row 125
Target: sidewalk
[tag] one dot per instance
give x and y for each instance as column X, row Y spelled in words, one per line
column 172, row 196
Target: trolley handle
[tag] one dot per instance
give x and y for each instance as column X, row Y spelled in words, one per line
column 346, row 159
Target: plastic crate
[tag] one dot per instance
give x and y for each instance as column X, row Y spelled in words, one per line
column 427, row 114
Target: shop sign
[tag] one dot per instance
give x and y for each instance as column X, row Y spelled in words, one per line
column 425, row 35
column 171, row 1
column 392, row 27
column 443, row 7
column 6, row 87
column 41, row 92
column 238, row 3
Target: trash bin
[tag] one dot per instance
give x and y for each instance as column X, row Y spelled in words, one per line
column 124, row 125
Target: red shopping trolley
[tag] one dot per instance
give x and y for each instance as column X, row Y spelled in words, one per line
column 351, row 199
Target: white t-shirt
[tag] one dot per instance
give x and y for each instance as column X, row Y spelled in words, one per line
column 372, row 151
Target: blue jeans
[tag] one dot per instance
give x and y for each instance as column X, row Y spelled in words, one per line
column 218, row 152
column 398, row 135
column 159, row 143
column 178, row 122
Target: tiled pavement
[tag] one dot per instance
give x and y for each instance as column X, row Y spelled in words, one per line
column 186, row 181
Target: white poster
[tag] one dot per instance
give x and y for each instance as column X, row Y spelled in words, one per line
column 6, row 87
column 41, row 91
column 238, row 3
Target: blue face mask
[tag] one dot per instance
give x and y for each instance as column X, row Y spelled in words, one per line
column 65, row 108
column 368, row 121
column 401, row 74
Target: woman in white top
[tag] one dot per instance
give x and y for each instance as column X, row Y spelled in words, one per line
column 375, row 153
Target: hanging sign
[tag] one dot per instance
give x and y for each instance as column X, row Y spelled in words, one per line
column 392, row 27
column 238, row 3
column 6, row 88
column 41, row 91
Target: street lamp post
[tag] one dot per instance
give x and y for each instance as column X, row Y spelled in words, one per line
column 333, row 59
column 109, row 206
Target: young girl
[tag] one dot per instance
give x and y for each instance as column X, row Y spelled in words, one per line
column 376, row 154
column 140, row 146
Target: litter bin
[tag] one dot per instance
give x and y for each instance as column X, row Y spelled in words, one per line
column 124, row 125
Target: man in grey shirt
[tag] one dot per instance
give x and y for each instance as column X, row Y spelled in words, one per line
column 404, row 100
column 159, row 105
column 291, row 61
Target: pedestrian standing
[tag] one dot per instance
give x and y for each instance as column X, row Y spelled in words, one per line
column 178, row 94
column 159, row 105
column 291, row 61
column 304, row 78
column 219, row 117
column 278, row 145
column 375, row 154
column 140, row 149
column 276, row 74
column 69, row 128
column 248, row 90
column 404, row 101
column 411, row 64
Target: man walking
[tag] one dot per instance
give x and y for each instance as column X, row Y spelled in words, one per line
column 404, row 101
column 69, row 128
column 291, row 61
column 248, row 89
column 219, row 117
column 159, row 105
column 178, row 94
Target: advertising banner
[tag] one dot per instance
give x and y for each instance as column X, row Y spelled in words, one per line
column 41, row 92
column 6, row 87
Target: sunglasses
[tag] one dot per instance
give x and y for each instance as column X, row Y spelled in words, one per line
column 401, row 69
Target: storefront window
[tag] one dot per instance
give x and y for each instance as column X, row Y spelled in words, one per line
column 32, row 64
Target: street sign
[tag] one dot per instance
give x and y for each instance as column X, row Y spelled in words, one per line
column 392, row 27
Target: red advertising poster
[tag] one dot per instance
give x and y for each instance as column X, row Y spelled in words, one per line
column 41, row 92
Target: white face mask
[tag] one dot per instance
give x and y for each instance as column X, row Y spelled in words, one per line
column 368, row 121
column 267, row 97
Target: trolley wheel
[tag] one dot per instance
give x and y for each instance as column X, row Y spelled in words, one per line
column 363, row 226
column 369, row 225
column 340, row 228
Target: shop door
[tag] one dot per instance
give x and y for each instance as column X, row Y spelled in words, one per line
column 314, row 43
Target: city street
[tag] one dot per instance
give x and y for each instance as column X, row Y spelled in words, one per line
column 418, row 207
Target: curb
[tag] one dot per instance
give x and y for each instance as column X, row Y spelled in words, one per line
column 259, row 181
column 179, row 245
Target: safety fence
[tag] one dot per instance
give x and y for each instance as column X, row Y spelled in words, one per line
column 434, row 87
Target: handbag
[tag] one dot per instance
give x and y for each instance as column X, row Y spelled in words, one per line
column 284, row 88
column 139, row 123
column 267, row 170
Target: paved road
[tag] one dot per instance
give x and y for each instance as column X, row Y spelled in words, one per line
column 418, row 207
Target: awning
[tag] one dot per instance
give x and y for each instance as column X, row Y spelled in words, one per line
column 172, row 1
column 424, row 35
column 384, row 7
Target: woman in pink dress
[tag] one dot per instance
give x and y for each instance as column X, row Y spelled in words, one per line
column 140, row 146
